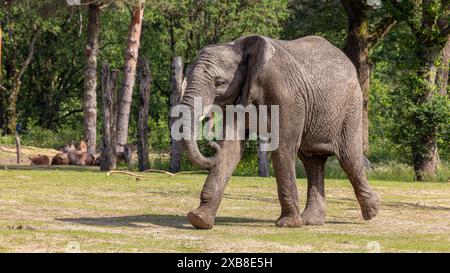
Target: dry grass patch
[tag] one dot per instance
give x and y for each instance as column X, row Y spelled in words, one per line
column 120, row 214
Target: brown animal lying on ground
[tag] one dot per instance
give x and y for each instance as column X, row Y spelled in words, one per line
column 73, row 156
column 81, row 158
column 82, row 147
column 68, row 148
column 60, row 159
column 40, row 160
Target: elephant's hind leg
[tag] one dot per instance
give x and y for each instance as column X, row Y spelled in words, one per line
column 284, row 165
column 315, row 210
column 351, row 160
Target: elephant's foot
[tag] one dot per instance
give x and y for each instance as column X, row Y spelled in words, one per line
column 313, row 216
column 291, row 221
column 369, row 205
column 201, row 219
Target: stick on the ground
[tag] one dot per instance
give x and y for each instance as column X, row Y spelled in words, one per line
column 158, row 171
column 192, row 172
column 123, row 172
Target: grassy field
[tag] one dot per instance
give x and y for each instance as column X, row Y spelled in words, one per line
column 85, row 210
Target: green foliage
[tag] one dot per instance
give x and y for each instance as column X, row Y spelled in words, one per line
column 248, row 166
column 45, row 138
column 50, row 100
column 325, row 18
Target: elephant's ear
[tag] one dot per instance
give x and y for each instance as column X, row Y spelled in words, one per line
column 257, row 52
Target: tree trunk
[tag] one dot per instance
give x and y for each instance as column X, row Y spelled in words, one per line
column 90, row 78
column 360, row 40
column 109, row 137
column 443, row 77
column 424, row 149
column 263, row 160
column 1, row 43
column 176, row 94
column 15, row 88
column 359, row 54
column 12, row 103
column 144, row 101
column 131, row 57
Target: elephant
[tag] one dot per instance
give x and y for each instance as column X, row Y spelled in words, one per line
column 320, row 104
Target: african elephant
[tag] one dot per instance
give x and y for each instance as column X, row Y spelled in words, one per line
column 316, row 88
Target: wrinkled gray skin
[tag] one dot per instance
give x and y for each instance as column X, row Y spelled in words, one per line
column 320, row 101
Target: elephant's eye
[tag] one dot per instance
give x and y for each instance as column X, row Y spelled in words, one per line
column 219, row 83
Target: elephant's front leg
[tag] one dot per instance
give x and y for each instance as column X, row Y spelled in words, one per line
column 212, row 193
column 284, row 165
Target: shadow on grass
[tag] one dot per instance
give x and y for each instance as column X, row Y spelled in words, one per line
column 173, row 221
column 407, row 205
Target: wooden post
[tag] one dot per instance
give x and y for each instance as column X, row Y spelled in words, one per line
column 176, row 93
column 109, row 136
column 145, row 82
column 263, row 159
column 18, row 147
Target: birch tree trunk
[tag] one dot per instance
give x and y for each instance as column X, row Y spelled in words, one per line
column 90, row 78
column 144, row 104
column 176, row 93
column 131, row 57
column 109, row 136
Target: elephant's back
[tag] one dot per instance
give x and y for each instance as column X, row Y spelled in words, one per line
column 332, row 86
column 321, row 59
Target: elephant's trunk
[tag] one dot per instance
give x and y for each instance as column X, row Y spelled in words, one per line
column 190, row 142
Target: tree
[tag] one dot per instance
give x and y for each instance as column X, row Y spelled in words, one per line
column 145, row 83
column 131, row 58
column 429, row 110
column 17, row 82
column 109, row 136
column 90, row 78
column 176, row 94
column 363, row 35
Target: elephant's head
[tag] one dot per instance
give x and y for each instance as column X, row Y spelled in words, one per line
column 225, row 74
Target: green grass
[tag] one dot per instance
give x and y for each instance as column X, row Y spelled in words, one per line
column 54, row 210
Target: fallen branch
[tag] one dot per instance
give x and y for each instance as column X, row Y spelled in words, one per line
column 158, row 171
column 124, row 172
column 191, row 172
